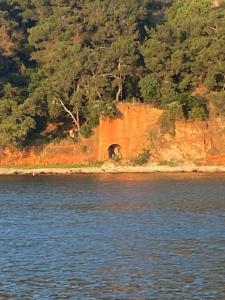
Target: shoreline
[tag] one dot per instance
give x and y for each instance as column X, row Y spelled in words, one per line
column 112, row 169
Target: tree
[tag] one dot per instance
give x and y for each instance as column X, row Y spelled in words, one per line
column 187, row 50
column 71, row 61
column 15, row 123
column 87, row 54
column 149, row 86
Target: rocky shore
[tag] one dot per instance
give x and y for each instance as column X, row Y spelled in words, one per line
column 113, row 169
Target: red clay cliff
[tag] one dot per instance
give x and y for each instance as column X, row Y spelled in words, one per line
column 136, row 128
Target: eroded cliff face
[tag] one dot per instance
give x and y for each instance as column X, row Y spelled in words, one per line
column 194, row 142
column 65, row 152
column 130, row 130
column 136, row 128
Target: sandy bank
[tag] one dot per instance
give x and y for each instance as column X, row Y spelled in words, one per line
column 112, row 169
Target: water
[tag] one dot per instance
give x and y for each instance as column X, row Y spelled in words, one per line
column 112, row 237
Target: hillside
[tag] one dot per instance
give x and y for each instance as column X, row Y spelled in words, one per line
column 65, row 64
column 122, row 143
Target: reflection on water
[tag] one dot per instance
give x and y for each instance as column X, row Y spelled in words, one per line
column 127, row 236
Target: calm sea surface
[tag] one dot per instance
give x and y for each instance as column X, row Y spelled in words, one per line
column 112, row 237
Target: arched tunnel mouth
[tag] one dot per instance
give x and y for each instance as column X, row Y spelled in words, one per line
column 114, row 151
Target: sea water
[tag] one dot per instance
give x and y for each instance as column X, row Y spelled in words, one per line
column 124, row 236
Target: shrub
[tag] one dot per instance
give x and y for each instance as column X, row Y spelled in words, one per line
column 142, row 158
column 84, row 148
column 173, row 112
column 167, row 125
column 198, row 113
column 194, row 107
column 218, row 102
column 116, row 158
column 86, row 130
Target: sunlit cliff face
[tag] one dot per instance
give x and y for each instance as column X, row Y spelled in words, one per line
column 138, row 128
column 217, row 3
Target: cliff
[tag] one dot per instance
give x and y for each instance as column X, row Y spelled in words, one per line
column 65, row 152
column 135, row 128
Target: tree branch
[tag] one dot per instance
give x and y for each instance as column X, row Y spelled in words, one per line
column 75, row 119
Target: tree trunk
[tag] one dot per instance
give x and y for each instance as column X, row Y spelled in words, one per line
column 76, row 119
column 119, row 94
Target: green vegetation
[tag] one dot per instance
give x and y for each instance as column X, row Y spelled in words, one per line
column 116, row 158
column 95, row 164
column 142, row 158
column 71, row 61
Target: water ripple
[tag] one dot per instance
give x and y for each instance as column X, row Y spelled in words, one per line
column 126, row 236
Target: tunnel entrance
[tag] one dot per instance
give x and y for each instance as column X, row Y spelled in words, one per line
column 114, row 151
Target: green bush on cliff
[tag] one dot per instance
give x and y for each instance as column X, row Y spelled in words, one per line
column 198, row 113
column 172, row 113
column 167, row 124
column 218, row 103
column 142, row 158
column 86, row 130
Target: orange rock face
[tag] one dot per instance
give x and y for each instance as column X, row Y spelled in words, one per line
column 130, row 131
column 85, row 151
column 136, row 128
column 195, row 142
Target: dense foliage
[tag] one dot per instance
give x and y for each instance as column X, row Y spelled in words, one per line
column 75, row 59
